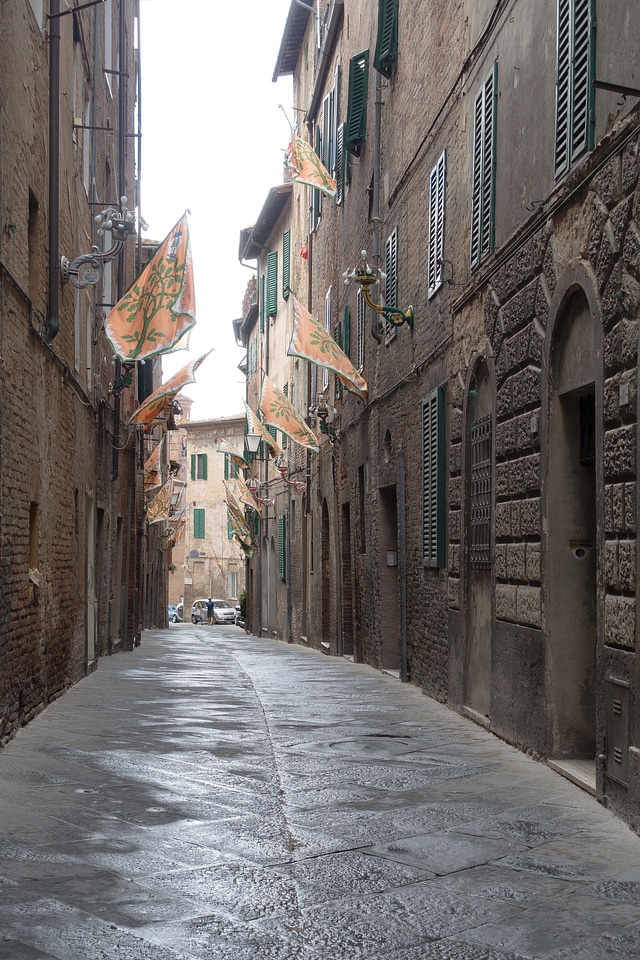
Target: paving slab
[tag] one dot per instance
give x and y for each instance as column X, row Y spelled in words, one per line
column 246, row 799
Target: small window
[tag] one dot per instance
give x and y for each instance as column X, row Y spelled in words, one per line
column 433, row 457
column 484, row 158
column 198, row 466
column 198, row 524
column 574, row 90
column 437, row 181
column 391, row 282
column 387, row 43
column 356, row 130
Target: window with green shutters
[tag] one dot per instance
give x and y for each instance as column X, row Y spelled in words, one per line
column 433, row 466
column 198, row 466
column 484, row 180
column 230, row 530
column 282, row 546
column 437, row 182
column 198, row 523
column 574, row 75
column 231, row 468
column 356, row 129
column 286, row 263
column 386, row 52
column 145, row 379
column 272, row 283
column 391, row 282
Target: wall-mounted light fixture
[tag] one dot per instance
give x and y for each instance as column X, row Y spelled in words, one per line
column 321, row 411
column 283, row 468
column 252, row 441
column 254, row 486
column 87, row 268
column 367, row 276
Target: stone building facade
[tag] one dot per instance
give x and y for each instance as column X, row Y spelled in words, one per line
column 73, row 541
column 213, row 563
column 473, row 527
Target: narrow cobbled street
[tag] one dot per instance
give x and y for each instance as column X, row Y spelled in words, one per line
column 215, row 795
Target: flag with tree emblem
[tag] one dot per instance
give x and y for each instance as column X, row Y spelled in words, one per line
column 307, row 166
column 311, row 341
column 278, row 411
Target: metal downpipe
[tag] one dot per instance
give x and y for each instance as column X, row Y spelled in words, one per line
column 53, row 318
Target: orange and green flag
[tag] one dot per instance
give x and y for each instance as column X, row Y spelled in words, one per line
column 158, row 311
column 311, row 341
column 160, row 506
column 278, row 411
column 156, row 406
column 307, row 166
column 152, row 469
column 225, row 447
column 256, row 426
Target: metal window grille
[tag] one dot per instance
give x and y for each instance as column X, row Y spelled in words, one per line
column 480, row 554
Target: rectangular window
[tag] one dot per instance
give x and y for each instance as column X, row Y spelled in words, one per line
column 198, row 466
column 391, row 282
column 480, row 494
column 272, row 283
column 356, row 129
column 484, row 157
column 282, row 546
column 386, row 52
column 574, row 91
column 232, row 584
column 437, row 182
column 198, row 523
column 361, row 319
column 340, row 165
column 433, row 463
column 286, row 263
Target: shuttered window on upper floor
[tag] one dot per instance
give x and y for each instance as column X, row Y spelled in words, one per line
column 286, row 263
column 198, row 523
column 356, row 129
column 386, row 52
column 437, row 184
column 198, row 466
column 484, row 179
column 391, row 282
column 574, row 90
column 433, row 474
column 272, row 283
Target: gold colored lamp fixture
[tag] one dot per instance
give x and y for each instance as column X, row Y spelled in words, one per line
column 367, row 276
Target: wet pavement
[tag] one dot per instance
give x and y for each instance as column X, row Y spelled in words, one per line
column 213, row 795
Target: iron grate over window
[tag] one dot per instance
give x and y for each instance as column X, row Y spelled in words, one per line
column 481, row 493
column 588, row 429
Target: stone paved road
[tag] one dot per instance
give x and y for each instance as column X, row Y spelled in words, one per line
column 212, row 795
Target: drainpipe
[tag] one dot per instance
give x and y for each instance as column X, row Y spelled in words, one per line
column 375, row 206
column 121, row 193
column 53, row 319
column 402, row 562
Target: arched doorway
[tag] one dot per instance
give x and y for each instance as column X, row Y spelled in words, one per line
column 570, row 581
column 479, row 457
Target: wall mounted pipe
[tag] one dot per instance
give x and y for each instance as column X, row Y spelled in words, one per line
column 53, row 318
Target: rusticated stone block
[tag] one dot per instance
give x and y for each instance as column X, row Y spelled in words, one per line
column 617, row 508
column 503, row 479
column 455, row 492
column 532, row 567
column 612, row 579
column 620, row 451
column 607, row 182
column 503, row 520
column 627, row 565
column 454, row 525
column 630, row 507
column 630, row 166
column 529, row 606
column 506, row 599
column 500, row 561
column 516, row 561
column 453, row 593
column 621, row 346
column 620, row 621
column 454, row 559
column 530, row 517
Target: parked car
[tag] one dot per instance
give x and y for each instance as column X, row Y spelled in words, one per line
column 176, row 612
column 223, row 612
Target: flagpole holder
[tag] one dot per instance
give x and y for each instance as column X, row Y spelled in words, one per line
column 87, row 268
column 321, row 411
column 254, row 485
column 366, row 277
column 283, row 469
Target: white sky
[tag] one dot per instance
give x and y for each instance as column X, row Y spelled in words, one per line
column 213, row 142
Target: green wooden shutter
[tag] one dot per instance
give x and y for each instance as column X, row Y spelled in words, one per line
column 574, row 90
column 193, row 466
column 340, row 165
column 387, row 43
column 198, row 524
column 230, row 530
column 391, row 296
column 272, row 283
column 226, row 466
column 433, row 462
column 282, row 546
column 437, row 180
column 204, row 466
column 145, row 379
column 483, row 168
column 286, row 263
column 356, row 129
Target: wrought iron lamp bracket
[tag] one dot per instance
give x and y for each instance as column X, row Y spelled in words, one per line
column 367, row 277
column 87, row 268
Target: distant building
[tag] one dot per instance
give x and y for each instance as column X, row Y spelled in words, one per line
column 213, row 564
